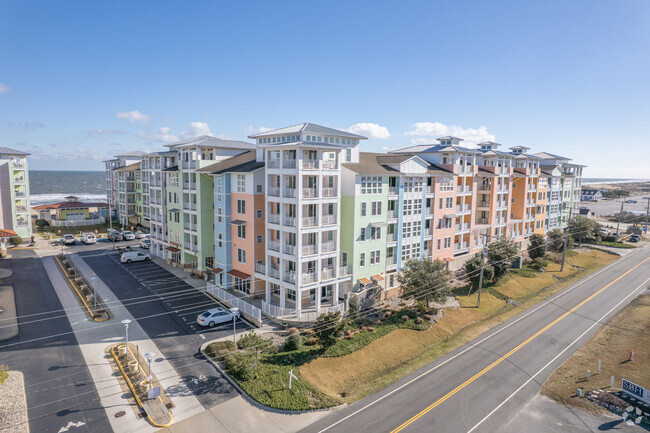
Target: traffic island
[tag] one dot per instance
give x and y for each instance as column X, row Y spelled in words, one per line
column 8, row 320
column 139, row 386
column 92, row 304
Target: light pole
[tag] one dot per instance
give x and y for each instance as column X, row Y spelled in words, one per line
column 234, row 311
column 92, row 283
column 149, row 356
column 126, row 322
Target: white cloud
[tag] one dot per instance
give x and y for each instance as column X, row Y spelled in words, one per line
column 4, row 88
column 251, row 130
column 196, row 129
column 133, row 117
column 427, row 131
column 164, row 135
column 370, row 130
column 30, row 126
column 94, row 132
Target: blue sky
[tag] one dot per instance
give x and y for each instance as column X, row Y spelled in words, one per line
column 81, row 81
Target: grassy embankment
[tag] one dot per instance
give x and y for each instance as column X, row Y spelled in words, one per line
column 626, row 331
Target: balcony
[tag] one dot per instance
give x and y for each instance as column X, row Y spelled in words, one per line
column 464, row 189
column 189, row 206
column 260, row 268
column 485, row 188
column 19, row 194
column 308, row 277
column 274, row 218
column 530, row 217
column 309, row 221
column 393, row 190
column 190, row 226
column 274, row 272
column 391, row 260
column 502, row 204
column 309, row 193
column 289, row 277
column 22, row 223
column 18, row 164
column 462, row 227
column 392, row 214
column 530, row 202
column 391, row 237
column 482, row 221
column 328, row 273
column 328, row 219
column 482, row 204
column 344, row 270
column 273, row 163
column 461, row 246
column 274, row 191
column 289, row 221
column 308, row 250
column 463, row 209
column 310, row 164
column 21, row 209
column 274, row 245
column 502, row 188
column 329, row 192
column 430, row 189
column 288, row 163
column 329, row 246
column 329, row 165
column 289, row 249
column 428, row 231
column 19, row 179
column 289, row 193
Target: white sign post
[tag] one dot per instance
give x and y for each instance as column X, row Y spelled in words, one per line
column 291, row 376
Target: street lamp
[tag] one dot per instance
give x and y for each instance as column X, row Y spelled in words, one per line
column 126, row 322
column 92, row 283
column 149, row 356
column 234, row 311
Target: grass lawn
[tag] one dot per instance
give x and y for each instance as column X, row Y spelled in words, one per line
column 612, row 344
column 615, row 244
column 101, row 228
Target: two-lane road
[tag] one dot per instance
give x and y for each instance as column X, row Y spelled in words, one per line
column 484, row 384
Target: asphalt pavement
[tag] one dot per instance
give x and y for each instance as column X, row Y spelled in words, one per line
column 166, row 307
column 47, row 353
column 482, row 386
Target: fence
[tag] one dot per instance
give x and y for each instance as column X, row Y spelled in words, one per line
column 305, row 316
column 78, row 223
column 233, row 300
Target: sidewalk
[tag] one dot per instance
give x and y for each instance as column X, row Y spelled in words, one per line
column 94, row 337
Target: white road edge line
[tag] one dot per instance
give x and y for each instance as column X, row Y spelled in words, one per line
column 545, row 303
column 557, row 356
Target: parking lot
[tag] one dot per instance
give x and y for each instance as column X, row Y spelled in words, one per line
column 166, row 307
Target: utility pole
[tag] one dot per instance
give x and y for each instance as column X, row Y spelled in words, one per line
column 647, row 211
column 480, row 278
column 566, row 239
column 620, row 214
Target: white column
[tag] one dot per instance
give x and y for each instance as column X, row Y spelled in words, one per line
column 283, row 296
column 335, row 293
column 268, row 291
column 298, row 302
column 318, row 289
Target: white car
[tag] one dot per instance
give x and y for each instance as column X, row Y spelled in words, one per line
column 128, row 235
column 140, row 235
column 217, row 315
column 145, row 243
column 134, row 256
column 88, row 238
column 69, row 240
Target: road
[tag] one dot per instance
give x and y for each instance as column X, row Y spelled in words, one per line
column 57, row 382
column 610, row 207
column 166, row 309
column 483, row 386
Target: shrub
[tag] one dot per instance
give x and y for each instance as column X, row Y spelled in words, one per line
column 539, row 263
column 405, row 318
column 349, row 337
column 419, row 320
column 219, row 349
column 329, row 328
column 241, row 366
column 42, row 223
column 16, row 240
column 371, row 329
column 537, row 246
column 252, row 340
column 293, row 330
column 294, row 342
column 311, row 341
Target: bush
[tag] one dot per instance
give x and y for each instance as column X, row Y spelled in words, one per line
column 537, row 246
column 293, row 330
column 240, row 365
column 252, row 340
column 329, row 328
column 41, row 224
column 311, row 341
column 219, row 349
column 609, row 239
column 539, row 263
column 16, row 240
column 405, row 318
column 294, row 342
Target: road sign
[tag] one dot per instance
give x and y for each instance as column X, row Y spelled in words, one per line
column 154, row 392
column 636, row 391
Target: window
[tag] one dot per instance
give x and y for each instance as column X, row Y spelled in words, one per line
column 260, row 239
column 417, row 228
column 260, row 190
column 375, row 233
column 363, row 208
column 243, row 285
column 241, row 255
column 348, row 153
column 362, row 260
column 375, row 257
column 376, row 208
column 219, row 240
column 371, row 185
column 291, row 294
column 447, row 242
column 241, row 232
column 391, row 280
column 439, row 244
column 362, row 234
column 449, row 202
column 417, row 207
column 258, row 213
column 407, row 207
column 446, row 184
column 219, row 214
column 241, row 207
column 406, row 230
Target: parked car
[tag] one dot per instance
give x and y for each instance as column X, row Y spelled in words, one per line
column 140, row 235
column 630, row 201
column 145, row 243
column 604, row 231
column 635, row 238
column 113, row 235
column 69, row 240
column 217, row 315
column 128, row 235
column 88, row 239
column 134, row 256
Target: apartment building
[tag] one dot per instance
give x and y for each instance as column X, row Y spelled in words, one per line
column 14, row 192
column 154, row 166
column 120, row 193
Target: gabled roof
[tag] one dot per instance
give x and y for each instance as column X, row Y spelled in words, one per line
column 131, row 167
column 161, row 153
column 546, row 155
column 172, row 168
column 68, row 205
column 449, row 137
column 304, row 143
column 380, row 163
column 412, row 149
column 242, row 163
column 208, row 141
column 13, row 152
column 308, row 128
column 133, row 154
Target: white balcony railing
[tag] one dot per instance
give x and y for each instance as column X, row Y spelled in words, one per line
column 273, row 163
column 289, row 192
column 260, row 268
column 308, row 250
column 274, row 218
column 289, row 221
column 327, row 273
column 309, row 221
column 328, row 219
column 328, row 246
column 310, row 164
column 329, row 192
column 288, row 163
column 289, row 277
column 309, row 193
column 274, row 245
column 274, row 191
column 308, row 277
column 289, row 249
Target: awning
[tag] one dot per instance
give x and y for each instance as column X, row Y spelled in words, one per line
column 365, row 281
column 238, row 274
column 238, row 222
column 216, row 270
column 7, row 233
column 448, row 259
column 378, row 225
column 174, row 210
column 173, row 249
column 377, row 277
column 450, row 215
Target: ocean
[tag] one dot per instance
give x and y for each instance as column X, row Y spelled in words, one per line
column 49, row 186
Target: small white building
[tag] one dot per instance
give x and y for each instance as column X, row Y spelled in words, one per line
column 591, row 195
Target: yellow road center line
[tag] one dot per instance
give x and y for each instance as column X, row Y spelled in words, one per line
column 507, row 355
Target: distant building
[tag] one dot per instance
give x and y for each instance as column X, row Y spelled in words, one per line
column 591, row 195
column 72, row 213
column 584, row 211
column 14, row 192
